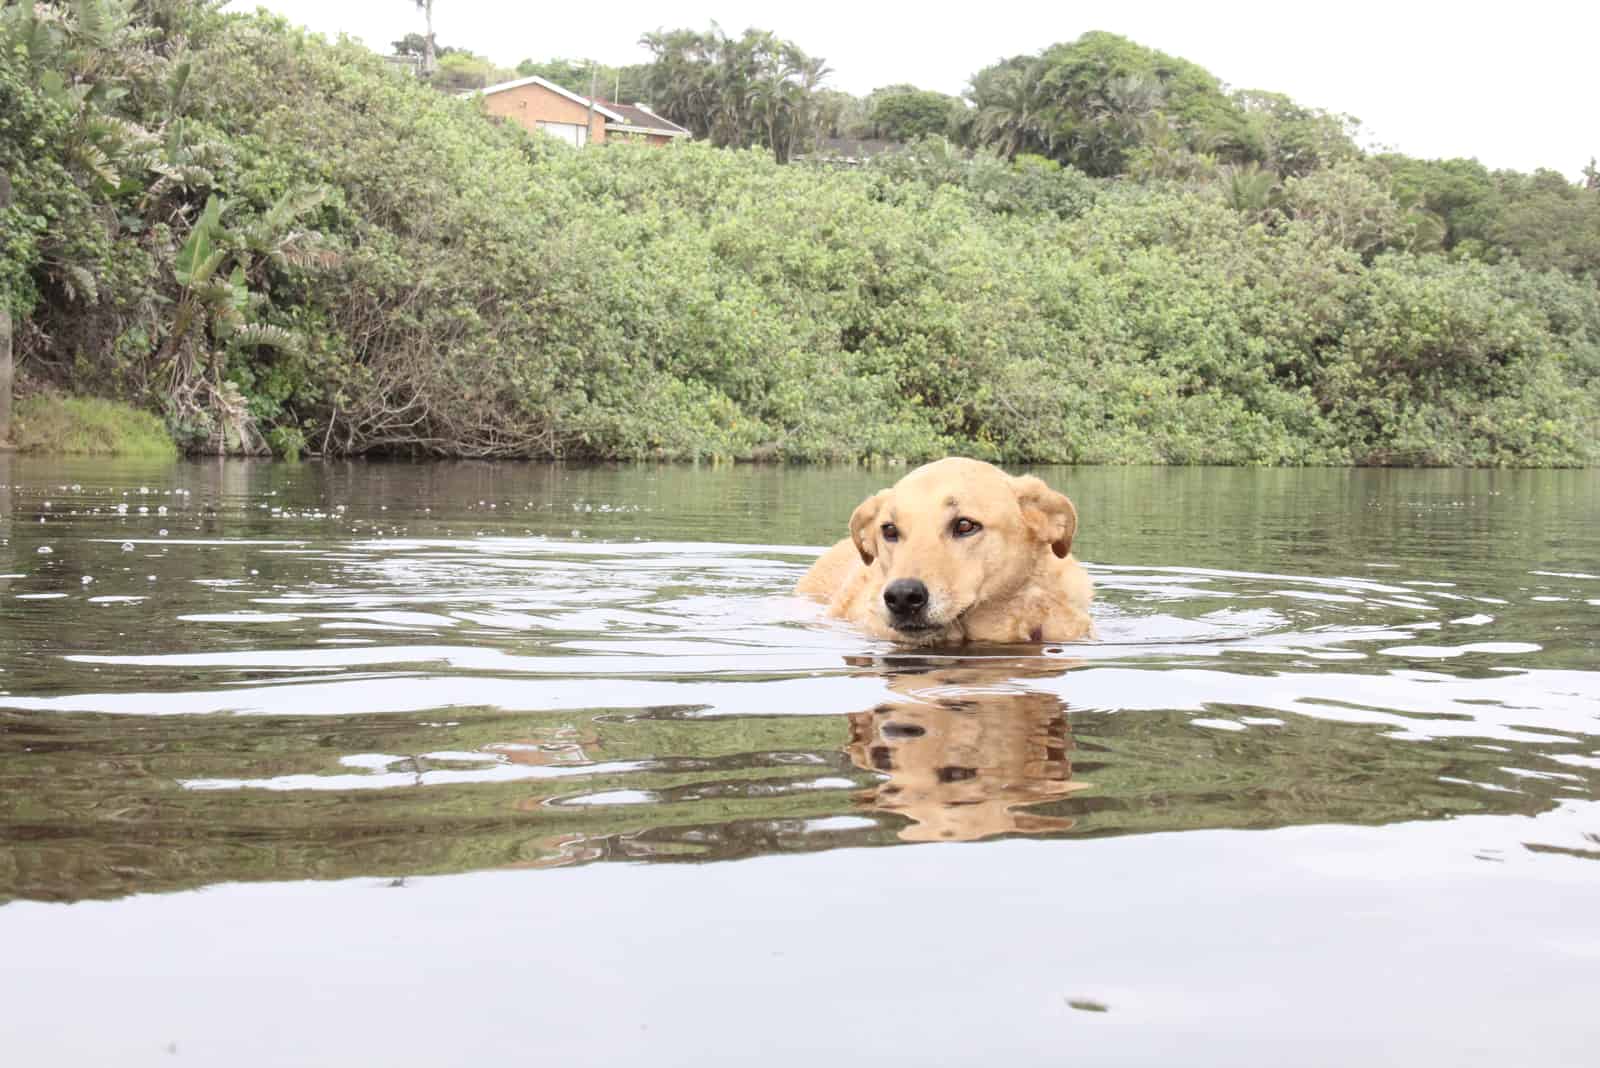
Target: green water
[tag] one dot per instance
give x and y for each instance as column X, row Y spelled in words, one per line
column 241, row 703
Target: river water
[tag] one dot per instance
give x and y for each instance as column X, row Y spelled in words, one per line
column 382, row 763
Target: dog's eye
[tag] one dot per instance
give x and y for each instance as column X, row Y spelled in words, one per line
column 965, row 527
column 891, row 532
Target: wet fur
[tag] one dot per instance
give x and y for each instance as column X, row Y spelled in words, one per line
column 1013, row 581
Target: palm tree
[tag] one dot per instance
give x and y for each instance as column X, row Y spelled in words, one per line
column 1249, row 188
column 810, row 71
column 756, row 90
column 426, row 7
column 684, row 79
column 1003, row 99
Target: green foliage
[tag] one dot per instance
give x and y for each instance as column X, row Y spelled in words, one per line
column 1096, row 101
column 280, row 243
column 1027, row 185
column 416, row 44
column 1437, row 366
column 756, row 90
column 628, row 84
column 1347, row 206
column 838, row 114
column 1549, row 223
column 1290, row 140
column 88, row 426
column 1541, row 220
column 906, row 113
column 460, row 71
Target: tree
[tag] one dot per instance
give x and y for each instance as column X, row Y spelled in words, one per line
column 426, row 7
column 1549, row 223
column 628, row 84
column 1349, row 207
column 1002, row 115
column 1290, row 139
column 1461, row 193
column 461, row 71
column 756, row 90
column 838, row 114
column 906, row 113
column 416, row 44
column 1095, row 101
column 572, row 75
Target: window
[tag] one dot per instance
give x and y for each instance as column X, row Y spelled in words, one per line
column 573, row 133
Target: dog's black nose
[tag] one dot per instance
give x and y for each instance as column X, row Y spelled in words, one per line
column 905, row 597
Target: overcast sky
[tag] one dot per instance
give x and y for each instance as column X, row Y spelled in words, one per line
column 1516, row 88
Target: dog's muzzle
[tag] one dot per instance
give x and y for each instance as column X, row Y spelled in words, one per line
column 907, row 602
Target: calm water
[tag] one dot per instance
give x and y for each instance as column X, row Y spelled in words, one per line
column 415, row 764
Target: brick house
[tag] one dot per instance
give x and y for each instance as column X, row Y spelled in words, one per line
column 539, row 104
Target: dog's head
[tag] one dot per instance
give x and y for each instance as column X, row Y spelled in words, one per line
column 955, row 534
column 963, row 766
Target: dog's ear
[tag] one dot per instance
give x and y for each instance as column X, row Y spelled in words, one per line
column 864, row 524
column 1049, row 515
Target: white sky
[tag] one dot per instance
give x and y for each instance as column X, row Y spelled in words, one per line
column 1512, row 85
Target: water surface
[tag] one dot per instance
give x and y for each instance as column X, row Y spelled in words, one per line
column 549, row 758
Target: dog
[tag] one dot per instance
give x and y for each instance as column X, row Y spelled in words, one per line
column 958, row 551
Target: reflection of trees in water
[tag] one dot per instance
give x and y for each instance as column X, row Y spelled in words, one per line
column 91, row 806
column 7, row 535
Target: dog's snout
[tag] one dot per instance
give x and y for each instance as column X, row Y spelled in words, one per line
column 905, row 597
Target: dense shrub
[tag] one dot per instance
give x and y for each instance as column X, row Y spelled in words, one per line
column 291, row 244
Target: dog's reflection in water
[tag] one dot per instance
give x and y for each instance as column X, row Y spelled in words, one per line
column 967, row 749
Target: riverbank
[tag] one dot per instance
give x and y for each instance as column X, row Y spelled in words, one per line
column 290, row 248
column 51, row 424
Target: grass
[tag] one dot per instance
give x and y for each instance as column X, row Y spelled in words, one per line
column 88, row 426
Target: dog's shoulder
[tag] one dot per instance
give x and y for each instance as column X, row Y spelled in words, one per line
column 832, row 570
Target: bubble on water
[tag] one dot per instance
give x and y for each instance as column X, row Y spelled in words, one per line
column 162, row 510
column 162, row 532
column 45, row 550
column 253, row 571
column 47, row 504
column 127, row 546
column 87, row 579
column 122, row 509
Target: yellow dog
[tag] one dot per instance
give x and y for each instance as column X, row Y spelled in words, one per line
column 958, row 551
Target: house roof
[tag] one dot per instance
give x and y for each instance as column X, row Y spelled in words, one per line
column 636, row 118
column 603, row 109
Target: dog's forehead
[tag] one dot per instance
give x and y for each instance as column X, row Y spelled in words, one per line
column 953, row 485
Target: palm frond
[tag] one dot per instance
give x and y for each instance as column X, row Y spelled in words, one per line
column 265, row 334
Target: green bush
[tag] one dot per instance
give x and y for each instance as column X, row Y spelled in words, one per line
column 279, row 243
